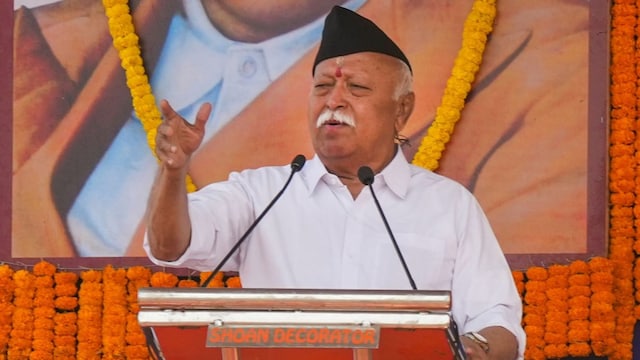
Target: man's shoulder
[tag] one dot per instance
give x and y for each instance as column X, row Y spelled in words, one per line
column 425, row 177
column 262, row 173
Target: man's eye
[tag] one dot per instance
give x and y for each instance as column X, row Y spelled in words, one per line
column 359, row 90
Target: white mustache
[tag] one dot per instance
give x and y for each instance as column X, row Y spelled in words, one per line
column 337, row 115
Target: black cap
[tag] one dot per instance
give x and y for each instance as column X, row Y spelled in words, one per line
column 346, row 32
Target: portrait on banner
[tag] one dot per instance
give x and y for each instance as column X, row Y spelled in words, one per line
column 530, row 143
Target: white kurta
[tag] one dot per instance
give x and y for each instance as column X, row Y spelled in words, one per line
column 318, row 236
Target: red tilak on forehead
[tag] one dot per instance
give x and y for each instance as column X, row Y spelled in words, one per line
column 338, row 72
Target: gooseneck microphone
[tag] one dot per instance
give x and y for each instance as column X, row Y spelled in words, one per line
column 366, row 176
column 296, row 165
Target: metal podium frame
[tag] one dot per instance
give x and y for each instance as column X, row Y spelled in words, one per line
column 197, row 307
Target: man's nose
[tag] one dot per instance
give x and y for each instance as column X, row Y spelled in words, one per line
column 336, row 98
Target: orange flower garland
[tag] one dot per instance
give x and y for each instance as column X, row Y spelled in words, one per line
column 114, row 313
column 138, row 277
column 535, row 300
column 602, row 315
column 518, row 278
column 90, row 315
column 624, row 193
column 557, row 317
column 7, row 288
column 164, row 280
column 216, row 282
column 599, row 293
column 66, row 318
column 44, row 310
column 579, row 302
column 234, row 282
column 187, row 283
column 22, row 320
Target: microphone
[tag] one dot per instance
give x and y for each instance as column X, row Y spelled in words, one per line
column 296, row 165
column 365, row 174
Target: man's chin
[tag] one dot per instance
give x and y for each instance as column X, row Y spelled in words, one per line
column 336, row 153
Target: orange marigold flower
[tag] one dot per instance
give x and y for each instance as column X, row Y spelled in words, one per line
column 163, row 280
column 579, row 280
column 187, row 283
column 537, row 273
column 139, row 273
column 234, row 282
column 44, row 268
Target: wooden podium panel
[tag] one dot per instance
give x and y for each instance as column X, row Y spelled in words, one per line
column 407, row 344
column 264, row 324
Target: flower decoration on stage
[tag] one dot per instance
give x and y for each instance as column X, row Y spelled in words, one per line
column 126, row 43
column 477, row 28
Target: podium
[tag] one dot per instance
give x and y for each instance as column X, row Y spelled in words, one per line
column 231, row 324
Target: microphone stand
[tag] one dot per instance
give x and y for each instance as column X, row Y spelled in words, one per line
column 365, row 174
column 296, row 165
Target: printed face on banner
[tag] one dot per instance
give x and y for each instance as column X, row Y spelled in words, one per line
column 528, row 145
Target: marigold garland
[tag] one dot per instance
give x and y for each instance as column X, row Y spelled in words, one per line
column 534, row 308
column 138, row 277
column 216, row 282
column 114, row 313
column 624, row 193
column 518, row 279
column 187, row 283
column 234, row 282
column 602, row 315
column 7, row 287
column 598, row 295
column 66, row 318
column 90, row 315
column 44, row 311
column 477, row 28
column 164, row 280
column 557, row 307
column 126, row 42
column 22, row 321
column 579, row 302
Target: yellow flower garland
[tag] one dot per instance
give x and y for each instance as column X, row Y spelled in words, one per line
column 477, row 28
column 126, row 41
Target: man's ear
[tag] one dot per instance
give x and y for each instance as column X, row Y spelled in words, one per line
column 406, row 104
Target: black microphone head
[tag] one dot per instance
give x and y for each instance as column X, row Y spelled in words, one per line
column 298, row 162
column 365, row 174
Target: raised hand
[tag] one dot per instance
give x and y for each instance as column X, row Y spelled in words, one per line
column 177, row 139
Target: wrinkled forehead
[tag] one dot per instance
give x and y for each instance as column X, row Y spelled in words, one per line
column 367, row 62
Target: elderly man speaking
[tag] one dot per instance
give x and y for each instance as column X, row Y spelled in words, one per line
column 325, row 231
